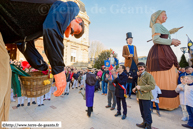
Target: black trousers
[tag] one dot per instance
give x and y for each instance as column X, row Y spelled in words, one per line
column 145, row 106
column 119, row 105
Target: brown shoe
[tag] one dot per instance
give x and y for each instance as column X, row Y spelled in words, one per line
column 105, row 94
column 107, row 106
column 112, row 108
column 142, row 125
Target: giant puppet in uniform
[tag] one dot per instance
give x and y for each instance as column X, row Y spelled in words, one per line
column 113, row 60
column 162, row 62
column 23, row 21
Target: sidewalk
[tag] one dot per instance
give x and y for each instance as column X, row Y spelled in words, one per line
column 70, row 110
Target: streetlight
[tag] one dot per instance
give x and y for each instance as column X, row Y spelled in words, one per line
column 184, row 49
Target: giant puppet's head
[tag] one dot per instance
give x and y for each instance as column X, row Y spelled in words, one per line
column 129, row 38
column 158, row 17
column 76, row 28
column 112, row 54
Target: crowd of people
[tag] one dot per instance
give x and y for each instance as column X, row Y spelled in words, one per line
column 117, row 85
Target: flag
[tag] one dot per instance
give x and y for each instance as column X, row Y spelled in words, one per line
column 190, row 45
column 107, row 63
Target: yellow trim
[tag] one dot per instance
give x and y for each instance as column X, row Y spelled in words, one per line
column 129, row 51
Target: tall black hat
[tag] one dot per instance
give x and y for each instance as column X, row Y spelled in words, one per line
column 129, row 35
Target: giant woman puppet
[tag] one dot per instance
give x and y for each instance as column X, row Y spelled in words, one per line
column 23, row 21
column 162, row 62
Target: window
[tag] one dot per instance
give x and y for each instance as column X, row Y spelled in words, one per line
column 73, row 55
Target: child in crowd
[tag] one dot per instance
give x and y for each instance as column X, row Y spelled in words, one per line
column 48, row 95
column 33, row 99
column 68, row 80
column 79, row 78
column 180, row 89
column 75, row 83
column 81, row 83
column 40, row 100
column 20, row 101
column 22, row 97
column 97, row 84
column 53, row 88
column 189, row 101
column 29, row 100
column 129, row 81
column 156, row 92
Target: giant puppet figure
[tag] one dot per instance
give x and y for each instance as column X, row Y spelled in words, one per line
column 162, row 62
column 23, row 21
column 113, row 61
column 130, row 55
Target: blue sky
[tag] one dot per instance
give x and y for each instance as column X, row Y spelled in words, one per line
column 112, row 19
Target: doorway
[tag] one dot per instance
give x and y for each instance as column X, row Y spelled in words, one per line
column 12, row 50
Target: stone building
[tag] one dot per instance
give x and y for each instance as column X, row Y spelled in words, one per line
column 75, row 50
column 142, row 59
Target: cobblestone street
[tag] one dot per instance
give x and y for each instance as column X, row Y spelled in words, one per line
column 70, row 110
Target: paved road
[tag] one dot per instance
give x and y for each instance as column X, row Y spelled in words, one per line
column 70, row 110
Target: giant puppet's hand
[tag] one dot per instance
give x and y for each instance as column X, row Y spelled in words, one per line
column 60, row 80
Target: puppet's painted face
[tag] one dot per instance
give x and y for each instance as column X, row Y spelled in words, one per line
column 74, row 27
column 129, row 41
column 162, row 17
column 75, row 24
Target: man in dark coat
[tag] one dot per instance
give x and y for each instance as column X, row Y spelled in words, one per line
column 111, row 91
column 120, row 91
column 90, row 89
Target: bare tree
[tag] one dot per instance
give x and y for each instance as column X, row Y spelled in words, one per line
column 96, row 47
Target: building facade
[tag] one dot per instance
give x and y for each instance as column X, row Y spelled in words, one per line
column 142, row 59
column 75, row 50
